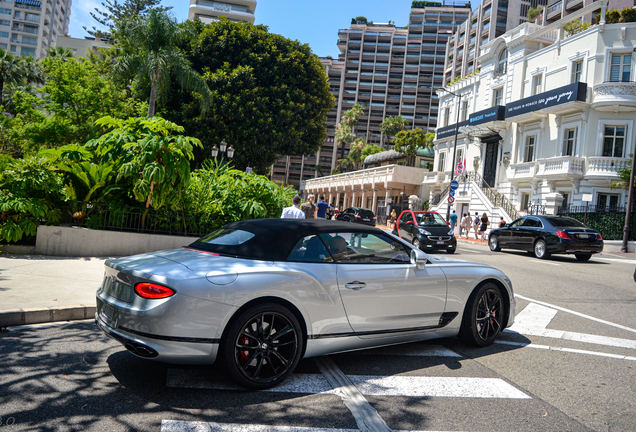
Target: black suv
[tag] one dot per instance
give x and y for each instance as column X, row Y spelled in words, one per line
column 357, row 215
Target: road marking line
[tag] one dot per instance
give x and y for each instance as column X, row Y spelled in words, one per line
column 624, row 261
column 570, row 350
column 576, row 313
column 415, row 350
column 191, row 426
column 410, row 386
column 545, row 262
column 366, row 417
column 534, row 318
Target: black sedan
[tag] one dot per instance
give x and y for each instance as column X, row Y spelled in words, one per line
column 547, row 235
column 357, row 215
column 427, row 230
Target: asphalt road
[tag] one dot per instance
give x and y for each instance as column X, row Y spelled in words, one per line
column 568, row 364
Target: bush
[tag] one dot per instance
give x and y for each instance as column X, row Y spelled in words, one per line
column 628, row 15
column 575, row 27
column 612, row 17
column 533, row 13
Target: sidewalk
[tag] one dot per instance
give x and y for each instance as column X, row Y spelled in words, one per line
column 37, row 289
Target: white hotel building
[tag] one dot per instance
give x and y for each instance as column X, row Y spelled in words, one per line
column 234, row 10
column 549, row 121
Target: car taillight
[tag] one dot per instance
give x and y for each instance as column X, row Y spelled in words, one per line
column 153, row 291
column 373, row 217
column 357, row 216
column 562, row 234
column 600, row 237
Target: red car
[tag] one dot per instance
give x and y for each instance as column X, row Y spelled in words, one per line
column 427, row 230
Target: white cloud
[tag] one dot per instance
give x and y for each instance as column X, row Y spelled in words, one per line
column 80, row 17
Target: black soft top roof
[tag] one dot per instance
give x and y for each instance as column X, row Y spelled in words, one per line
column 274, row 239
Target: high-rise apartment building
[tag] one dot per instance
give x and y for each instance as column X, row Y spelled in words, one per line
column 234, row 10
column 557, row 9
column 388, row 70
column 487, row 22
column 30, row 27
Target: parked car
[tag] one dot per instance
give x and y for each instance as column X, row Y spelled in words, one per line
column 357, row 215
column 426, row 230
column 547, row 235
column 259, row 295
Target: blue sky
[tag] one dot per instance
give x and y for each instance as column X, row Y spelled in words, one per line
column 312, row 22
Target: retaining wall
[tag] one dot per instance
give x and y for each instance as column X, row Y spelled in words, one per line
column 82, row 242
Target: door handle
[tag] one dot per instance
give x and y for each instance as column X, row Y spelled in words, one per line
column 355, row 285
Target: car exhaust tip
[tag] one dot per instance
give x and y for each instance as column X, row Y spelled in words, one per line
column 140, row 349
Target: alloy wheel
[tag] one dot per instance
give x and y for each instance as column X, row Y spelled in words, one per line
column 489, row 315
column 266, row 347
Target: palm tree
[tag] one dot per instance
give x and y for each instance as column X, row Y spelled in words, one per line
column 60, row 53
column 149, row 44
column 15, row 70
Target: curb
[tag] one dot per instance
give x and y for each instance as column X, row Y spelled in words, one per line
column 18, row 317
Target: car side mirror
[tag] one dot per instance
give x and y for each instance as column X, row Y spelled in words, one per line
column 409, row 222
column 418, row 258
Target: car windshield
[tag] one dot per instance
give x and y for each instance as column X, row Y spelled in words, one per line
column 563, row 222
column 429, row 219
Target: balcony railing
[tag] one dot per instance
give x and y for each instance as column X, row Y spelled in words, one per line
column 601, row 166
column 521, row 171
column 566, row 166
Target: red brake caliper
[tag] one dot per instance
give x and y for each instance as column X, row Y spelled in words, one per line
column 244, row 355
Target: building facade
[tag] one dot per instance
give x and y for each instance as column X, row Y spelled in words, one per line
column 79, row 46
column 553, row 131
column 234, row 10
column 30, row 27
column 489, row 21
column 388, row 70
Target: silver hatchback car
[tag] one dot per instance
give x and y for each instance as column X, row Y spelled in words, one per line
column 259, row 295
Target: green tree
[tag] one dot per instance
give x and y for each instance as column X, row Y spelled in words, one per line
column 150, row 53
column 408, row 142
column 65, row 109
column 345, row 131
column 59, row 53
column 575, row 27
column 16, row 70
column 152, row 154
column 392, row 125
column 270, row 95
column 28, row 190
column 534, row 12
column 113, row 13
column 369, row 150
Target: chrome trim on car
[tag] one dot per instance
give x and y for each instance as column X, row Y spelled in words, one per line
column 444, row 320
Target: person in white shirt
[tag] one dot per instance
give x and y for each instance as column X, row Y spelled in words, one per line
column 293, row 212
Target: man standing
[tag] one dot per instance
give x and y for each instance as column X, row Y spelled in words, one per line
column 322, row 208
column 293, row 212
column 453, row 221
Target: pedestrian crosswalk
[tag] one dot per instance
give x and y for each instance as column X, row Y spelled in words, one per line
column 188, row 426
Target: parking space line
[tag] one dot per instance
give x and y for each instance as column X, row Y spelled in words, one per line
column 366, row 417
column 369, row 385
column 624, row 261
column 570, row 350
column 575, row 313
column 191, row 426
column 545, row 262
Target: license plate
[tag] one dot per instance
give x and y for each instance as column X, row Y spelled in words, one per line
column 440, row 242
column 366, row 220
column 109, row 314
column 583, row 236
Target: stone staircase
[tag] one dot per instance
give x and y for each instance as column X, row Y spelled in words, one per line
column 482, row 199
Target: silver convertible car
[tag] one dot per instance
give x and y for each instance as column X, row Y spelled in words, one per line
column 259, row 295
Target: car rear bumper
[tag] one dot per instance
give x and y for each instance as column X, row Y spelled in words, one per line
column 574, row 247
column 170, row 349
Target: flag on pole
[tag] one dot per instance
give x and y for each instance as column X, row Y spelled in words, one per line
column 460, row 167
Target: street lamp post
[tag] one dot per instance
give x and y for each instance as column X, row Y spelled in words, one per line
column 222, row 149
column 455, row 144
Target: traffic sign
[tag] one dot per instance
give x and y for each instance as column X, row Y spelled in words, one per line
column 454, row 184
column 451, row 199
column 452, row 193
column 248, row 170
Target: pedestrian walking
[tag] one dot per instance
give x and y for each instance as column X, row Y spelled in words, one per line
column 392, row 219
column 309, row 208
column 476, row 223
column 484, row 225
column 453, row 221
column 293, row 212
column 462, row 225
column 330, row 212
column 502, row 223
column 469, row 223
column 322, row 208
